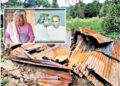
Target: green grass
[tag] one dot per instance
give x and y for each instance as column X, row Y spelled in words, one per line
column 8, row 58
column 4, row 81
column 95, row 24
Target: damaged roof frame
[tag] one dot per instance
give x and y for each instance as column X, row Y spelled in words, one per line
column 83, row 59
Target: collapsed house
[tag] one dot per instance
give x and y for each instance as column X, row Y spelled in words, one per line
column 98, row 58
column 93, row 56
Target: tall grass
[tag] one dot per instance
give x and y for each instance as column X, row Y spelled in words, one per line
column 95, row 24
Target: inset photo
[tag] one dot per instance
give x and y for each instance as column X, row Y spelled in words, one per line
column 50, row 26
column 19, row 25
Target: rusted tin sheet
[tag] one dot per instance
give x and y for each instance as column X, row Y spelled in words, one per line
column 116, row 50
column 39, row 51
column 93, row 60
column 54, row 77
column 99, row 64
column 100, row 38
column 104, row 61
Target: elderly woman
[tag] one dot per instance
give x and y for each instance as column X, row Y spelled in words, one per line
column 19, row 31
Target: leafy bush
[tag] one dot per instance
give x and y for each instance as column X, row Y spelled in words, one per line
column 95, row 24
column 68, row 16
column 7, row 57
column 113, row 35
column 103, row 11
column 112, row 19
column 4, row 81
column 112, row 24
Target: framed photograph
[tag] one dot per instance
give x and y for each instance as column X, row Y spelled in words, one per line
column 50, row 26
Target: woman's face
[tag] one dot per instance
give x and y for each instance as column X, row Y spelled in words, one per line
column 19, row 20
column 46, row 23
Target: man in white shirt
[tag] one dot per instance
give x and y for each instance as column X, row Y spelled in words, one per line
column 41, row 32
column 56, row 31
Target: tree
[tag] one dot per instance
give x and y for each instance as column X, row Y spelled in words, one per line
column 12, row 3
column 92, row 9
column 45, row 3
column 25, row 4
column 30, row 3
column 103, row 11
column 36, row 3
column 112, row 18
column 54, row 4
column 78, row 10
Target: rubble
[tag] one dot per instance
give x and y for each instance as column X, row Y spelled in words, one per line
column 16, row 73
column 8, row 65
column 29, row 75
column 94, row 56
column 12, row 82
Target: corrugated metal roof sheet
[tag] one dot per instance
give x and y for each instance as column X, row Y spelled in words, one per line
column 100, row 65
column 102, row 60
column 100, row 38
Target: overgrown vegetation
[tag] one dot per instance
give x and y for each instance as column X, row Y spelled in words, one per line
column 54, row 4
column 100, row 17
column 4, row 81
column 94, row 23
column 77, row 10
column 26, row 4
column 8, row 58
column 29, row 4
column 112, row 20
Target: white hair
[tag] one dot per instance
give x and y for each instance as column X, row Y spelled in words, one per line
column 17, row 12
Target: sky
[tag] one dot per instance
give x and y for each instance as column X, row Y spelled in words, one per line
column 62, row 2
column 72, row 2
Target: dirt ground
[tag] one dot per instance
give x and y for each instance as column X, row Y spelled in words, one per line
column 26, row 75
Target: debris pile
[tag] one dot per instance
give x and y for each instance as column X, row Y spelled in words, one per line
column 28, row 75
column 97, row 58
column 47, row 56
column 94, row 56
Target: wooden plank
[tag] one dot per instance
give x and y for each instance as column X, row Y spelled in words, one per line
column 16, row 52
column 26, row 53
column 54, row 82
column 61, row 55
column 34, row 46
column 41, row 54
column 45, row 63
column 49, row 77
column 76, row 49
